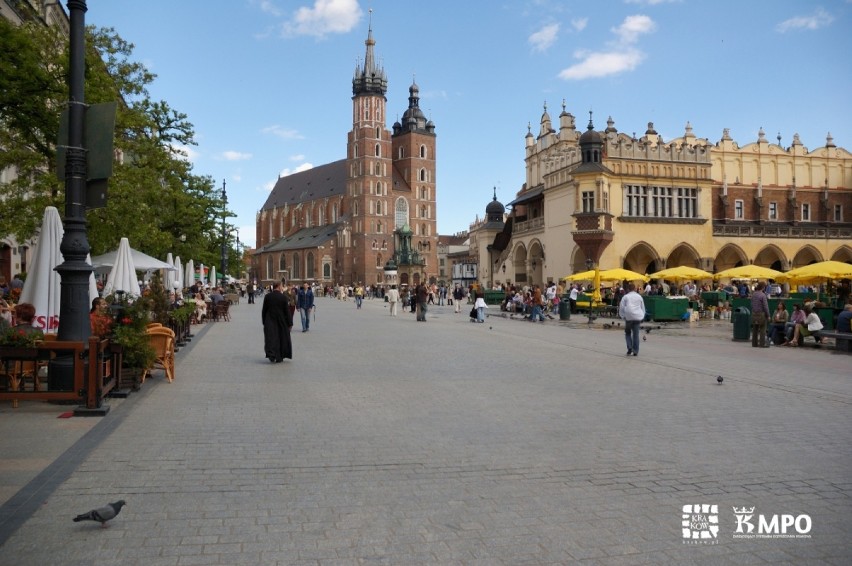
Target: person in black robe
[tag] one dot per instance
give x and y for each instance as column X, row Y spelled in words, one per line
column 277, row 322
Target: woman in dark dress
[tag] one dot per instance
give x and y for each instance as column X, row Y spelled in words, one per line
column 277, row 322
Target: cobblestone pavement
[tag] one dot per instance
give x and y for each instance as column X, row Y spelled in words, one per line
column 388, row 441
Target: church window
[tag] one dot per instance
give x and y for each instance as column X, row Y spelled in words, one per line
column 423, row 212
column 321, row 216
column 401, row 152
column 379, row 207
column 355, row 151
column 379, row 262
column 326, row 271
column 375, row 244
column 378, row 133
column 309, row 266
column 297, row 273
column 423, row 174
column 307, row 219
column 334, row 212
column 269, row 274
column 423, row 152
column 282, row 264
column 379, row 227
column 378, row 150
column 355, row 208
column 400, row 213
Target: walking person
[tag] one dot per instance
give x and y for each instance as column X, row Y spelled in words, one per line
column 458, row 297
column 759, row 316
column 305, row 304
column 359, row 295
column 393, row 299
column 632, row 310
column 536, row 305
column 479, row 305
column 250, row 293
column 422, row 295
column 277, row 322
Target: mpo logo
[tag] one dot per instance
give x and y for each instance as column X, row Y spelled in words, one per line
column 770, row 526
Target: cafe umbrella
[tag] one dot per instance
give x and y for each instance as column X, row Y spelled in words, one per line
column 122, row 277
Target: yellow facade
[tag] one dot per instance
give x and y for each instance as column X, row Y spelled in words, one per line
column 646, row 204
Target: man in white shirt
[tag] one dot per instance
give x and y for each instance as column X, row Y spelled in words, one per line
column 632, row 310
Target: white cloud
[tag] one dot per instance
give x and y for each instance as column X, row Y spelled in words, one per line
column 325, row 17
column 602, row 64
column 634, row 26
column 621, row 57
column 299, row 169
column 186, row 151
column 544, row 38
column 819, row 19
column 235, row 156
column 283, row 132
column 579, row 24
column 298, row 157
column 268, row 7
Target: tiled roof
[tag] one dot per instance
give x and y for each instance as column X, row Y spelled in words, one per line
column 304, row 238
column 319, row 182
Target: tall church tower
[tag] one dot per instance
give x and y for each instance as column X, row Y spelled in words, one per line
column 414, row 158
column 370, row 171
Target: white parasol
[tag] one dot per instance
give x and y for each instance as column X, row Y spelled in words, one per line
column 213, row 276
column 170, row 273
column 190, row 274
column 179, row 272
column 41, row 287
column 201, row 274
column 122, row 277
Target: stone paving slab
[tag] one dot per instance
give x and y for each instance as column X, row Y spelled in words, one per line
column 388, row 441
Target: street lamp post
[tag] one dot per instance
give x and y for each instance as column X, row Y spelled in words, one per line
column 75, row 271
column 224, row 264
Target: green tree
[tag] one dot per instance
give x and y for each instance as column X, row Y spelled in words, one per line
column 154, row 196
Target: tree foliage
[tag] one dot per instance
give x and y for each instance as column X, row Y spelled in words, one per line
column 154, row 199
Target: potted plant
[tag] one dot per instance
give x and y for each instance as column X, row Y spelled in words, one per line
column 132, row 314
column 20, row 343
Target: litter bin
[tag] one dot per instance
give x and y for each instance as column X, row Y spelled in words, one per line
column 742, row 324
column 565, row 307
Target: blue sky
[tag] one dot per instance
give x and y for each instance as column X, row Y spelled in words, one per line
column 268, row 83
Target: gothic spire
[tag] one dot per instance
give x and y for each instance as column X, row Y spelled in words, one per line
column 370, row 79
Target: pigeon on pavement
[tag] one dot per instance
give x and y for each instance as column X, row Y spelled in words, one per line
column 102, row 514
column 719, row 379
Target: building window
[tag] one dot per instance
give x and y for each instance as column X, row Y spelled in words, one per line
column 326, row 271
column 838, row 213
column 423, row 174
column 806, row 212
column 310, row 266
column 269, row 274
column 297, row 273
column 422, row 152
column 739, row 211
column 588, row 201
column 282, row 264
column 773, row 211
column 661, row 202
column 378, row 150
column 401, row 213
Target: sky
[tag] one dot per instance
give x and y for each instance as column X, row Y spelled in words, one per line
column 267, row 84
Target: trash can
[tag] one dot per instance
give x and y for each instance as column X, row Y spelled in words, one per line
column 741, row 319
column 565, row 307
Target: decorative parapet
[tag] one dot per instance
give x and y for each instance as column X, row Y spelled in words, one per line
column 782, row 231
column 528, row 225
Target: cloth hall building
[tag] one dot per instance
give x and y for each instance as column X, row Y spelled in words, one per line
column 615, row 200
column 342, row 222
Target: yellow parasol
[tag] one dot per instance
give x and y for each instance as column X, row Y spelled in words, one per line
column 818, row 271
column 682, row 273
column 616, row 274
column 748, row 272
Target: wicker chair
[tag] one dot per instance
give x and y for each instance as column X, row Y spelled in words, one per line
column 162, row 340
column 222, row 311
